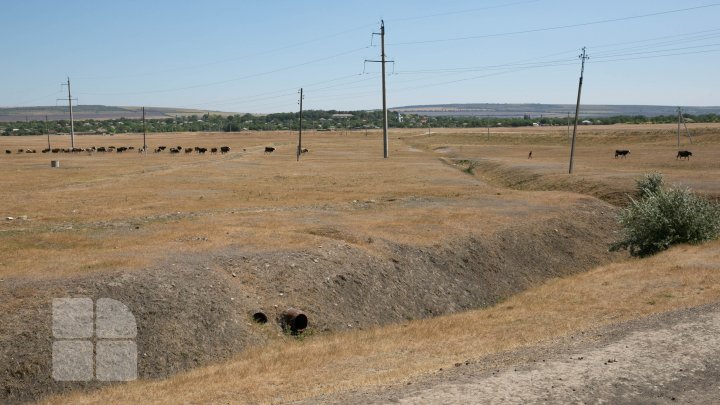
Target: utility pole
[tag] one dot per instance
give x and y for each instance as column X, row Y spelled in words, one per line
column 72, row 121
column 583, row 57
column 384, row 93
column 47, row 131
column 299, row 148
column 144, row 132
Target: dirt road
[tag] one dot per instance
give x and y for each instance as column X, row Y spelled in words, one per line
column 670, row 358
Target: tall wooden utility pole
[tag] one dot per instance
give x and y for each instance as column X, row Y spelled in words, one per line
column 384, row 94
column 72, row 120
column 299, row 148
column 383, row 61
column 583, row 57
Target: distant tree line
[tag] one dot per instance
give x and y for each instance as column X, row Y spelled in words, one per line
column 323, row 120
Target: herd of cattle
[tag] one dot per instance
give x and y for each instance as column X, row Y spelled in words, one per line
column 622, row 153
column 680, row 155
column 110, row 149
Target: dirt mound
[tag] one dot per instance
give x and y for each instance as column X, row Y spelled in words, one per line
column 196, row 309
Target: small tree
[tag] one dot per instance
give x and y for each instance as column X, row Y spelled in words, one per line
column 662, row 217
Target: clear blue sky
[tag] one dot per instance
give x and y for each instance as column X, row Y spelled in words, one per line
column 253, row 56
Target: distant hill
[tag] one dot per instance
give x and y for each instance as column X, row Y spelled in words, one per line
column 94, row 112
column 548, row 110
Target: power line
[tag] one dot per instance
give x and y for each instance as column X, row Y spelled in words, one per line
column 464, row 11
column 554, row 28
column 216, row 83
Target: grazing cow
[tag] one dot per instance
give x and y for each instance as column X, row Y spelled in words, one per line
column 224, row 149
column 174, row 151
column 213, row 151
column 121, row 149
column 21, row 150
column 158, row 150
column 201, row 150
column 622, row 153
column 55, row 150
column 46, row 150
column 8, row 151
column 102, row 149
column 269, row 149
column 162, row 147
column 683, row 154
column 188, row 150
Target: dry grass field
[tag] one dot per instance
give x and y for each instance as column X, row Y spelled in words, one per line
column 455, row 220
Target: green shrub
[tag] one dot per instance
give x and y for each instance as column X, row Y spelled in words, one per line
column 662, row 217
column 649, row 184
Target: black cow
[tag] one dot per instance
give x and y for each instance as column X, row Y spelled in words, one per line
column 304, row 151
column 224, row 149
column 201, row 150
column 189, row 150
column 683, row 154
column 622, row 153
column 174, row 151
column 213, row 150
column 8, row 151
column 269, row 149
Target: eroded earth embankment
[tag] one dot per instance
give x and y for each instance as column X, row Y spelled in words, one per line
column 195, row 309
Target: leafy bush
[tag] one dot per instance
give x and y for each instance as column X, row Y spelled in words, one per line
column 650, row 184
column 662, row 217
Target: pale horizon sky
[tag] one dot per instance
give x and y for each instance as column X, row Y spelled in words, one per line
column 231, row 56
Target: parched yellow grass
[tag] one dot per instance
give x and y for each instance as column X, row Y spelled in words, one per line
column 685, row 276
column 128, row 211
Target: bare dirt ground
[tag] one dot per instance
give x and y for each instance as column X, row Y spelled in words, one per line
column 195, row 244
column 666, row 358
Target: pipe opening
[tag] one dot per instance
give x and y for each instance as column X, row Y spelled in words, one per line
column 260, row 317
column 294, row 320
